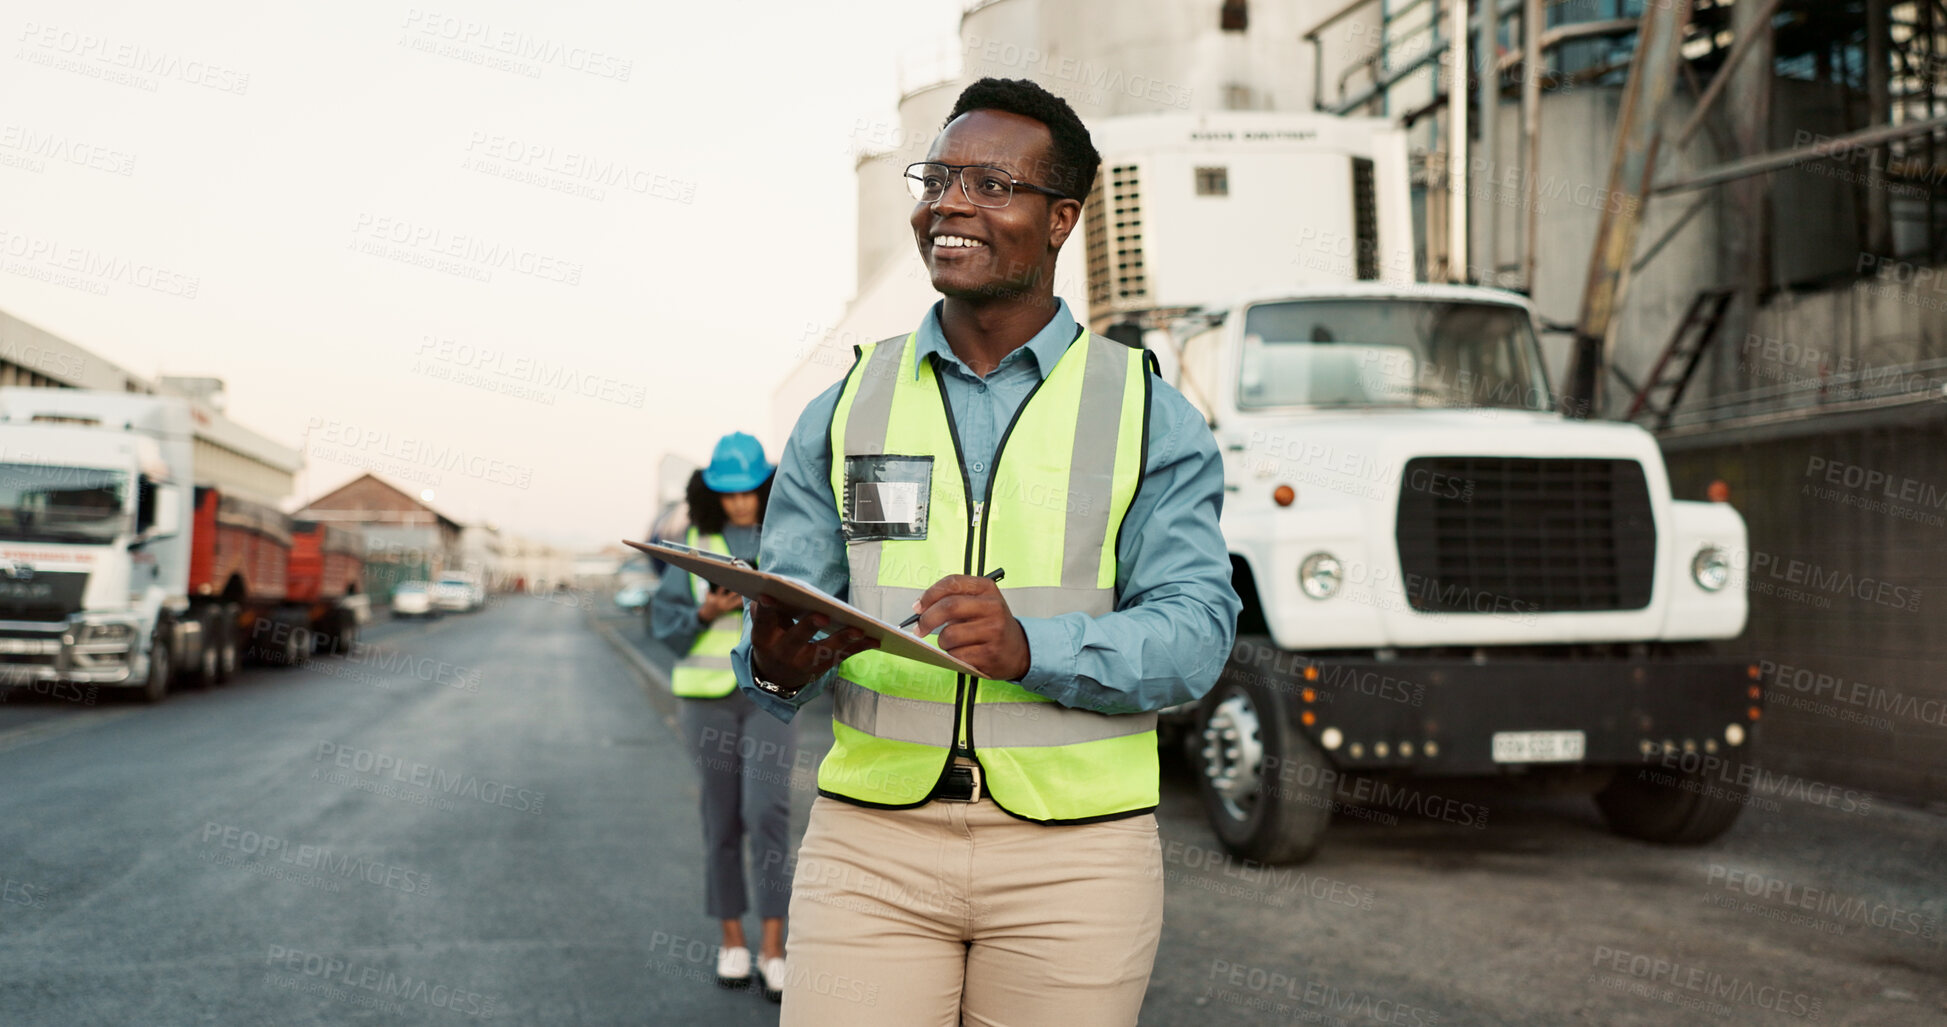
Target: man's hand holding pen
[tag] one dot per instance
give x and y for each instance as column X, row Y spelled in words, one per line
column 975, row 625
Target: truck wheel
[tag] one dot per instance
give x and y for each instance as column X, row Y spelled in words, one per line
column 226, row 641
column 297, row 645
column 209, row 655
column 347, row 635
column 156, row 688
column 1266, row 788
column 1671, row 806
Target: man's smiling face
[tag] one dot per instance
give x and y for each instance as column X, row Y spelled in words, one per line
column 991, row 252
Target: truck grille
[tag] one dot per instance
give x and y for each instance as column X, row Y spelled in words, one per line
column 1489, row 534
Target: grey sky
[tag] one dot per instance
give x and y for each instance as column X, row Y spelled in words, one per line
column 256, row 191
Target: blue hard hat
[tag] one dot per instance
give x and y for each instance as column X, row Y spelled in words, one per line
column 737, row 465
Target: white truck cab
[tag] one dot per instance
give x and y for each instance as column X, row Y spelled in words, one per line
column 1441, row 575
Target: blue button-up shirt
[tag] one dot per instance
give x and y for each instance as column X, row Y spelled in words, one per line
column 1175, row 615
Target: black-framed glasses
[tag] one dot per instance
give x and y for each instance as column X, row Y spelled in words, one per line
column 983, row 184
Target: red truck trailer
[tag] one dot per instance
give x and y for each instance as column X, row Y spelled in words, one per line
column 326, row 568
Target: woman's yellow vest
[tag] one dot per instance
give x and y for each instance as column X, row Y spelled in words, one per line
column 705, row 672
column 1064, row 475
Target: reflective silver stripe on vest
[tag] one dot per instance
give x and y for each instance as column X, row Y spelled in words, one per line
column 896, row 604
column 865, row 435
column 995, row 725
column 890, row 717
column 1091, row 470
column 1020, row 725
column 705, row 662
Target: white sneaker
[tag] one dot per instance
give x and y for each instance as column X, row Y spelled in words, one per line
column 773, row 974
column 733, row 967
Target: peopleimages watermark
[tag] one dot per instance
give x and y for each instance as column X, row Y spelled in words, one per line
column 1699, row 768
column 506, row 49
column 1874, row 490
column 355, row 441
column 1313, row 1001
column 22, row 147
column 1802, row 581
column 88, row 270
column 381, row 666
column 1073, row 78
column 530, row 162
column 689, row 957
column 1248, row 878
column 388, row 769
column 461, row 254
column 20, row 893
column 1694, row 987
column 1823, row 909
column 368, row 985
column 520, row 375
column 1814, row 685
column 315, row 866
column 119, row 62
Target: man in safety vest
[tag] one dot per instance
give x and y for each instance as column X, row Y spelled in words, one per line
column 983, row 849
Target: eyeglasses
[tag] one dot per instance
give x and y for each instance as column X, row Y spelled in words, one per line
column 983, row 184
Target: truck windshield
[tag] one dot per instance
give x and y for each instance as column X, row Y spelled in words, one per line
column 1390, row 352
column 43, row 503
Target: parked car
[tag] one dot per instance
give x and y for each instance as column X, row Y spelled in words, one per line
column 414, row 599
column 633, row 597
column 459, row 593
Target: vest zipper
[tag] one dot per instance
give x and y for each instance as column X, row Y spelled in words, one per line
column 967, row 691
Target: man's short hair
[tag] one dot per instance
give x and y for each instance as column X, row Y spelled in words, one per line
column 1072, row 157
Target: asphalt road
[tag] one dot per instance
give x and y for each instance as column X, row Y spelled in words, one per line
column 488, row 817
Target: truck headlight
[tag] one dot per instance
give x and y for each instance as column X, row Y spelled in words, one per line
column 1711, row 568
column 1320, row 574
column 115, row 632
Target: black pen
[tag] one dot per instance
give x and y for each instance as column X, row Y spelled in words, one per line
column 994, row 575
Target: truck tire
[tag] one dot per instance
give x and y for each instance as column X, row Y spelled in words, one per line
column 1670, row 806
column 209, row 652
column 297, row 644
column 1266, row 788
column 225, row 637
column 347, row 635
column 156, row 687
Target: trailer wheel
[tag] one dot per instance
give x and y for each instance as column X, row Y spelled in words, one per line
column 156, row 687
column 1670, row 806
column 1266, row 788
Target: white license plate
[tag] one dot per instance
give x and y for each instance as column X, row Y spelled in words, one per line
column 1539, row 746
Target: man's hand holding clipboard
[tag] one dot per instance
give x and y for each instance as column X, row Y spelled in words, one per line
column 798, row 633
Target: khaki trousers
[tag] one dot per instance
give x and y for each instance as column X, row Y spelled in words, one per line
column 958, row 913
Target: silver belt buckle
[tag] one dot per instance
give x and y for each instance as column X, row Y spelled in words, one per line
column 975, row 797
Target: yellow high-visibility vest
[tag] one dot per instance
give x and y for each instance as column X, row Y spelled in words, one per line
column 1064, row 475
column 704, row 673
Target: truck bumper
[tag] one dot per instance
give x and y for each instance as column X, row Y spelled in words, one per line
column 19, row 674
column 1439, row 717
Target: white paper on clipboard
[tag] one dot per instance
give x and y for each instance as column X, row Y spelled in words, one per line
column 749, row 582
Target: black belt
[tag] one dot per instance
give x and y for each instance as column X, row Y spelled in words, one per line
column 961, row 783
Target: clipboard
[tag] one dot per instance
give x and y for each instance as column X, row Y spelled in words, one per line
column 749, row 582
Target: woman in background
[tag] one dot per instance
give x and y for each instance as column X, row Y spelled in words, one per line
column 745, row 755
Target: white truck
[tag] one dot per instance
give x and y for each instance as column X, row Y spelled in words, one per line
column 139, row 548
column 1441, row 576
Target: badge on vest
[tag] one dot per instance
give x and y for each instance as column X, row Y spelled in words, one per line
column 886, row 497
